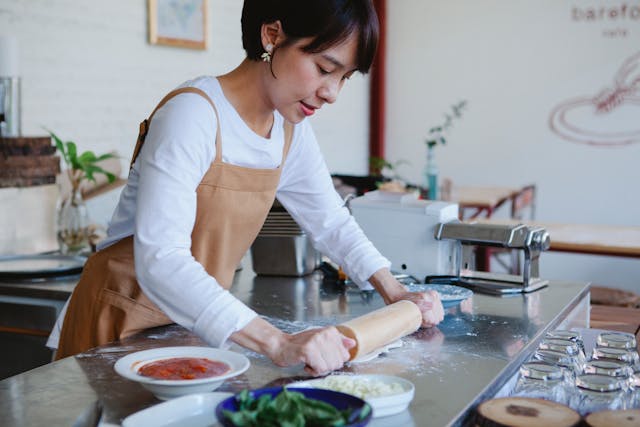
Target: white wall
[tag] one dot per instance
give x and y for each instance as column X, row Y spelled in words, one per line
column 89, row 74
column 514, row 61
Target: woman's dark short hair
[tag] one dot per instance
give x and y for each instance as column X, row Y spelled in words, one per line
column 329, row 22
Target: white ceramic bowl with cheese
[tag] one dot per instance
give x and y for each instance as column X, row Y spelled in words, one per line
column 387, row 394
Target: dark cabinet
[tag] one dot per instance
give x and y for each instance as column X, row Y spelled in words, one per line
column 24, row 328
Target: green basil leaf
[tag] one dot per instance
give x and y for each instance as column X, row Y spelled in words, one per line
column 289, row 409
column 366, row 410
column 262, row 402
column 239, row 419
column 243, row 400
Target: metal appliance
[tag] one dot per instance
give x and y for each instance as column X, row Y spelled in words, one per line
column 282, row 248
column 402, row 228
column 425, row 240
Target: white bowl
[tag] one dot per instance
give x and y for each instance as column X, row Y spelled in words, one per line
column 382, row 405
column 129, row 365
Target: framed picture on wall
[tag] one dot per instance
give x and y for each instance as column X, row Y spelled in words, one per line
column 181, row 23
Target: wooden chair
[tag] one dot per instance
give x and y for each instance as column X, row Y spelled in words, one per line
column 523, row 204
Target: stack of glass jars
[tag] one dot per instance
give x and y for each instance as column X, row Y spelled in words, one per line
column 606, row 379
column 564, row 349
column 598, row 392
column 544, row 381
column 621, row 348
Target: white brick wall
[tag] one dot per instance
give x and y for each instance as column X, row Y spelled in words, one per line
column 89, row 73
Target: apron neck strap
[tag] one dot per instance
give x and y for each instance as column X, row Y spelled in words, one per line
column 144, row 126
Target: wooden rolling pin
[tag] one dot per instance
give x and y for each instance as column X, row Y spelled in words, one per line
column 381, row 327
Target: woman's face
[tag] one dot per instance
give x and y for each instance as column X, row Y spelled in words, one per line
column 306, row 81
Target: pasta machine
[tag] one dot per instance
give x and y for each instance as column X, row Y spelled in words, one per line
column 530, row 240
column 425, row 241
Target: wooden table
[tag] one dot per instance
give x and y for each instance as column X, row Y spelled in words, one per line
column 481, row 201
column 596, row 239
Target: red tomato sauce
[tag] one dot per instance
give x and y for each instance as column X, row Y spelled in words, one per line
column 184, row 368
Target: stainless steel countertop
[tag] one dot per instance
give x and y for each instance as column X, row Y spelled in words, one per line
column 466, row 359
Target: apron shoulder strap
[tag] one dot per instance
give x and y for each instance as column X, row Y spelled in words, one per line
column 144, row 126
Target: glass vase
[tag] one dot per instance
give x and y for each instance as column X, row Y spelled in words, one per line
column 72, row 224
column 431, row 175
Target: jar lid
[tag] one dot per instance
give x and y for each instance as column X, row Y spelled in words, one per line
column 635, row 380
column 541, row 371
column 613, row 368
column 616, row 340
column 559, row 345
column 626, row 356
column 565, row 335
column 596, row 382
column 554, row 358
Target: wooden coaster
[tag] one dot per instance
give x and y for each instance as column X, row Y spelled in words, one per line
column 628, row 418
column 524, row 412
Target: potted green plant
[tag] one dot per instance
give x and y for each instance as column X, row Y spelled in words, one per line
column 437, row 135
column 389, row 178
column 72, row 222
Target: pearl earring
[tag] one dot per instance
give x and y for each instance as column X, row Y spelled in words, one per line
column 266, row 56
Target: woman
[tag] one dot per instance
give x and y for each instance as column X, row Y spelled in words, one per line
column 204, row 176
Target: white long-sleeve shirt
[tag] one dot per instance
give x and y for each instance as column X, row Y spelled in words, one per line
column 158, row 207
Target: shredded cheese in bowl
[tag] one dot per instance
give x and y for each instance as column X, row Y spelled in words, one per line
column 386, row 394
column 361, row 387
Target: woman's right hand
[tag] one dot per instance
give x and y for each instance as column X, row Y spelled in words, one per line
column 321, row 350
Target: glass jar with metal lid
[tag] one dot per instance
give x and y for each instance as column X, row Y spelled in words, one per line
column 616, row 340
column 629, row 357
column 635, row 387
column 565, row 334
column 612, row 368
column 595, row 392
column 542, row 380
column 567, row 347
column 569, row 363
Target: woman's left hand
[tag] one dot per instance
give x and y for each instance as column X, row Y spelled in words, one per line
column 392, row 291
column 429, row 304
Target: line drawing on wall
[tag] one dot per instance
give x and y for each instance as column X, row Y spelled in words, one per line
column 609, row 119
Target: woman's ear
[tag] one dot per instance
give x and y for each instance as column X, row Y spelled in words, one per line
column 272, row 34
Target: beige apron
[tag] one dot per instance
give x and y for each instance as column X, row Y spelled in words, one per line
column 232, row 204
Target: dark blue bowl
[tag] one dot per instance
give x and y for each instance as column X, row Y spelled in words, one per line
column 339, row 400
